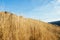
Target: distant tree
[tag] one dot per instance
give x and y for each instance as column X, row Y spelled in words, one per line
column 5, row 11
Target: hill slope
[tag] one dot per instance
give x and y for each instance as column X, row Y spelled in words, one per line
column 14, row 27
column 55, row 23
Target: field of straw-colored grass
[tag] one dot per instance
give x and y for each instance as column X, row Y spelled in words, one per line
column 14, row 27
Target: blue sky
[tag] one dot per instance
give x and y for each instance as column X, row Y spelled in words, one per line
column 45, row 10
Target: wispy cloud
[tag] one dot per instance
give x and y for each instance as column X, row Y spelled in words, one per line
column 2, row 5
column 48, row 12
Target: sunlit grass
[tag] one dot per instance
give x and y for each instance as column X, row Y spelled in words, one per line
column 14, row 27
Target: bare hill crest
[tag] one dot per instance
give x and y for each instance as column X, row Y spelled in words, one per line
column 14, row 27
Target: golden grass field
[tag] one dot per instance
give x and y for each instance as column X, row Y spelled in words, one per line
column 14, row 27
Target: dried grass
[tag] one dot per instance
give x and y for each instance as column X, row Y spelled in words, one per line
column 14, row 27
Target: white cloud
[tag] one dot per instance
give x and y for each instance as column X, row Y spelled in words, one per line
column 58, row 0
column 51, row 19
column 49, row 12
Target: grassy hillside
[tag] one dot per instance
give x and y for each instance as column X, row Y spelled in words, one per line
column 14, row 27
